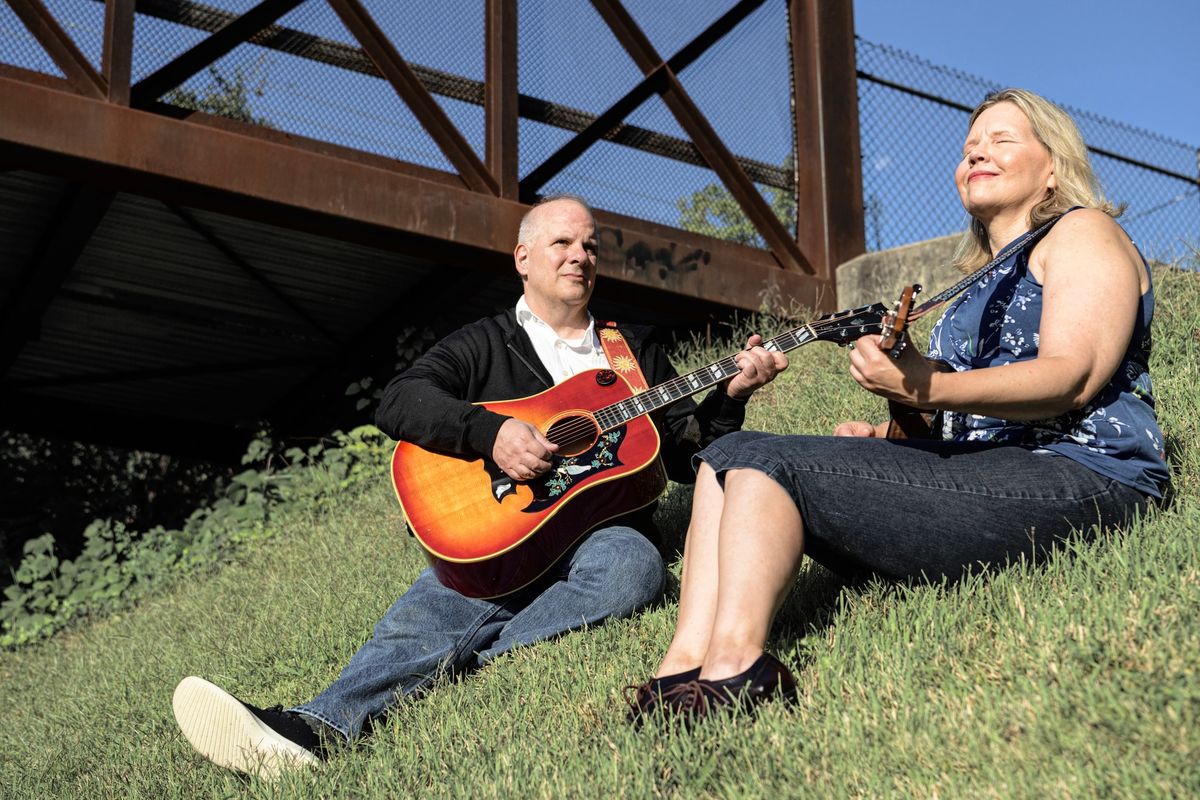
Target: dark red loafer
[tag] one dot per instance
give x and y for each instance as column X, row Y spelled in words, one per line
column 645, row 699
column 766, row 678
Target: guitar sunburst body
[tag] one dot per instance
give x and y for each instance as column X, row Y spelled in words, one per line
column 486, row 535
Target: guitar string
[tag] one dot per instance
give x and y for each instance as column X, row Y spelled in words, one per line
column 610, row 417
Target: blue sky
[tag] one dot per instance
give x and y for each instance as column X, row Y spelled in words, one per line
column 1135, row 62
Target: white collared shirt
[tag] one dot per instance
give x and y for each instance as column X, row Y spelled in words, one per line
column 560, row 357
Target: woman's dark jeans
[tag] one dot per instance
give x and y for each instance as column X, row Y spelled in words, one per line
column 911, row 509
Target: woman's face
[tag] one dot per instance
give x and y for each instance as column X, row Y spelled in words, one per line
column 1004, row 166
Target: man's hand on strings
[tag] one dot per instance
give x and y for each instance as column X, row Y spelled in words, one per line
column 758, row 366
column 521, row 450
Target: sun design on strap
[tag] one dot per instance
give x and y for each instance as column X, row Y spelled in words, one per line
column 609, row 335
column 623, row 364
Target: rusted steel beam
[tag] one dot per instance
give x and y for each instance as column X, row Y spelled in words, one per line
column 690, row 118
column 117, row 59
column 300, row 44
column 653, row 82
column 829, row 219
column 231, row 255
column 500, row 94
column 256, row 178
column 184, row 66
column 70, row 229
column 304, row 143
column 36, row 78
column 397, row 72
column 60, row 47
column 646, row 254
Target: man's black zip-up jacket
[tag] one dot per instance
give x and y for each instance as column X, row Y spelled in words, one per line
column 431, row 403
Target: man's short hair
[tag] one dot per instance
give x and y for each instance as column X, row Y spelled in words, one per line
column 529, row 223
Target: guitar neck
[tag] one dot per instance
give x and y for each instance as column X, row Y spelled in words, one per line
column 842, row 327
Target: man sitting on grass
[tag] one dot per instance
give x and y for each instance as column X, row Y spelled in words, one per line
column 433, row 630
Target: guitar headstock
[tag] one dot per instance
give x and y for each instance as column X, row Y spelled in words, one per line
column 894, row 327
column 844, row 327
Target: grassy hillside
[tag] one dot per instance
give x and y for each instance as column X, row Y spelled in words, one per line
column 1074, row 678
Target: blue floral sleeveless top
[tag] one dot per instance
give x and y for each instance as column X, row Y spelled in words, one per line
column 996, row 322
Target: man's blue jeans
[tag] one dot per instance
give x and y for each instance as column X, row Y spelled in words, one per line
column 432, row 630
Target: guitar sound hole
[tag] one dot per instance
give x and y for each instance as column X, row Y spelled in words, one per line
column 573, row 435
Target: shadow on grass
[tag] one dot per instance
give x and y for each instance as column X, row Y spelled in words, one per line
column 807, row 612
column 1177, row 452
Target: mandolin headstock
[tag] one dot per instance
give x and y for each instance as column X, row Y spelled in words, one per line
column 894, row 327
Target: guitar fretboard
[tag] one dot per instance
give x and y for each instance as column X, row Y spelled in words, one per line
column 842, row 327
column 698, row 380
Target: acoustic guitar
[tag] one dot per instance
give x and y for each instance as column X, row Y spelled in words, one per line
column 486, row 535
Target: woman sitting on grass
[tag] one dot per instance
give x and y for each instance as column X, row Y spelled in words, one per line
column 1046, row 424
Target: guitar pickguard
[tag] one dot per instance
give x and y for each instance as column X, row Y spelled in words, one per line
column 566, row 472
column 548, row 489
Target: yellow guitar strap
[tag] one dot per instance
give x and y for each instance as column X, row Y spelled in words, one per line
column 620, row 357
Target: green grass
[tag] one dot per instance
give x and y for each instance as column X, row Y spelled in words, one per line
column 1073, row 678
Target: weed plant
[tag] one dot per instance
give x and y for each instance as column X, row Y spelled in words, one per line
column 1076, row 677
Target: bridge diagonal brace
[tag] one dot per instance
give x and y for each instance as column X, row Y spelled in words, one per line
column 59, row 46
column 654, row 82
column 188, row 63
column 234, row 258
column 706, row 140
column 404, row 81
column 74, row 221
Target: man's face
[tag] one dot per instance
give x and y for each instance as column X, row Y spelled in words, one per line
column 558, row 265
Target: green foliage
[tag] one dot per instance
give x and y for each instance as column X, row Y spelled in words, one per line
column 225, row 97
column 116, row 567
column 60, row 486
column 712, row 211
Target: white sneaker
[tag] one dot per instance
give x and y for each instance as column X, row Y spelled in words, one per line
column 237, row 736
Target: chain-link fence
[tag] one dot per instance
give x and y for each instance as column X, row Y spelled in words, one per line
column 306, row 75
column 651, row 170
column 913, row 116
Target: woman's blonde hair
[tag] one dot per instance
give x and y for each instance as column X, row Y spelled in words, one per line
column 1076, row 183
